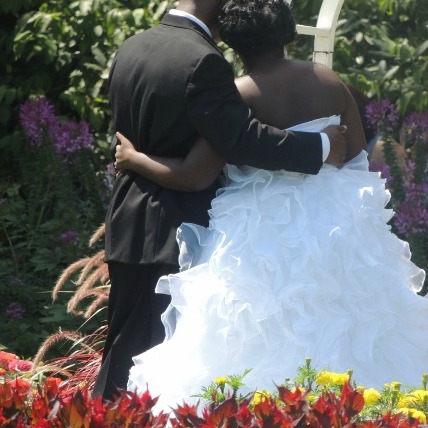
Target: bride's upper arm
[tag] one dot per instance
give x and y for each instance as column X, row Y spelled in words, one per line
column 355, row 137
column 202, row 165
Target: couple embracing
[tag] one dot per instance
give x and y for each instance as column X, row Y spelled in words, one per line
column 283, row 255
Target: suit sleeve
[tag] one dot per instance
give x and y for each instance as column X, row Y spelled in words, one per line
column 218, row 113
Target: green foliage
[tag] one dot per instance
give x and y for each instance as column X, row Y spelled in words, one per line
column 46, row 218
column 381, row 48
column 62, row 50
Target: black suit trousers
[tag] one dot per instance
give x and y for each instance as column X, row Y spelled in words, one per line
column 134, row 323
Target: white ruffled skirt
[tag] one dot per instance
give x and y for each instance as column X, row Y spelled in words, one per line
column 291, row 266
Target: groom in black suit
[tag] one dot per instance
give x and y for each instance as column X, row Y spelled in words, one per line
column 168, row 85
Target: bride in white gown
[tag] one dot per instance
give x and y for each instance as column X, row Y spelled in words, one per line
column 292, row 265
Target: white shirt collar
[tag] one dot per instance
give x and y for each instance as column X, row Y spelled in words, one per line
column 187, row 15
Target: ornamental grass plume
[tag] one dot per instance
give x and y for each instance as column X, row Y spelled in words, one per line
column 80, row 364
column 82, row 361
column 92, row 282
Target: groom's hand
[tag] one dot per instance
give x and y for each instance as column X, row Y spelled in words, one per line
column 336, row 135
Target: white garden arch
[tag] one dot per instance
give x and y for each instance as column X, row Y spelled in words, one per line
column 324, row 31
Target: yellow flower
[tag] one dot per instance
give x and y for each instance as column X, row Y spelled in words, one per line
column 420, row 395
column 405, row 402
column 260, row 396
column 221, row 381
column 415, row 397
column 395, row 386
column 324, row 378
column 417, row 414
column 371, row 396
column 311, row 398
column 329, row 378
column 340, row 378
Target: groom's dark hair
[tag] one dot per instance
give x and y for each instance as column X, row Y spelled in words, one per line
column 251, row 27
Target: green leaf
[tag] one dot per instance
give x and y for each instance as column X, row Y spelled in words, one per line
column 99, row 56
column 391, row 72
column 421, row 48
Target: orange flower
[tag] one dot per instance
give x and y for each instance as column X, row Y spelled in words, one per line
column 6, row 358
column 51, row 386
column 14, row 393
column 2, row 371
column 40, row 408
column 6, row 395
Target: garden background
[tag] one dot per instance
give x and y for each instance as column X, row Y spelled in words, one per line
column 53, row 197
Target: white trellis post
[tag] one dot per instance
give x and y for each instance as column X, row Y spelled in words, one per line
column 324, row 31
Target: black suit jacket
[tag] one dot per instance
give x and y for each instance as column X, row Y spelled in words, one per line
column 168, row 85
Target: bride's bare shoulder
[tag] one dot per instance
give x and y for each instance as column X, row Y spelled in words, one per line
column 314, row 69
column 248, row 88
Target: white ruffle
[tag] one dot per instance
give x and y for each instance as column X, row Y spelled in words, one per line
column 291, row 266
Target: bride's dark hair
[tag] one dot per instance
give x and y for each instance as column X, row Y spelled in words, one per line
column 251, row 27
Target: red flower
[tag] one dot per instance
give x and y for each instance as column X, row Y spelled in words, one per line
column 351, row 400
column 3, row 419
column 39, row 408
column 244, row 415
column 44, row 423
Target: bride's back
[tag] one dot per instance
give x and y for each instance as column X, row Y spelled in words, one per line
column 283, row 93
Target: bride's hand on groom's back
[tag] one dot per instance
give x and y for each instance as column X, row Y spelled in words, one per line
column 124, row 153
column 336, row 135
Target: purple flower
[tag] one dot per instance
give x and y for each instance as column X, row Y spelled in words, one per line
column 14, row 311
column 417, row 191
column 383, row 168
column 36, row 117
column 412, row 217
column 70, row 137
column 415, row 129
column 39, row 121
column 110, row 170
column 412, row 214
column 17, row 282
column 381, row 115
column 68, row 237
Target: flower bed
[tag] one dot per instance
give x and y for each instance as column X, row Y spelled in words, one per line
column 315, row 399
